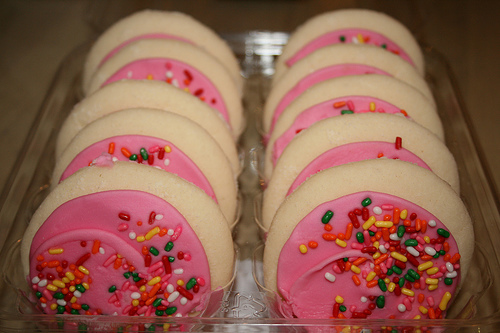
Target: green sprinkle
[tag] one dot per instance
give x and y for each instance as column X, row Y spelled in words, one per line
column 360, row 237
column 171, row 310
column 82, row 328
column 327, row 217
column 397, row 270
column 371, row 233
column 60, row 309
column 401, row 282
column 401, row 231
column 85, row 307
column 144, row 154
column 382, row 285
column 171, row 259
column 59, row 295
column 169, row 246
column 444, row 233
column 135, row 274
column 366, row 202
column 384, row 46
column 411, row 242
column 436, row 255
column 442, row 252
column 154, row 251
column 159, row 312
column 151, row 328
column 346, row 112
column 390, row 272
column 133, row 157
column 127, row 274
column 409, row 278
column 394, row 331
column 448, row 281
column 136, row 279
column 413, row 274
column 191, row 283
column 157, row 302
column 112, row 289
column 380, row 302
column 342, row 38
column 342, row 308
column 346, row 259
column 75, row 312
column 38, row 294
column 80, row 288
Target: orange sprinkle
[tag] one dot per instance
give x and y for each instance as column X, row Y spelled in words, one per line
column 89, row 280
column 446, row 246
column 455, row 258
column 65, row 291
column 118, row 263
column 373, row 239
column 202, row 98
column 72, row 267
column 418, row 224
column 187, row 82
column 163, row 232
column 111, row 148
column 76, row 306
column 341, row 236
column 53, row 263
column 381, row 259
column 131, row 268
column 348, row 266
column 395, row 214
column 328, row 227
column 372, row 283
column 43, row 299
column 139, row 223
column 154, row 290
column 431, row 313
column 377, row 269
column 126, row 152
column 145, row 250
column 78, row 280
column 378, row 235
column 423, row 229
column 380, row 155
column 339, row 104
column 59, row 269
column 393, row 229
column 150, row 301
column 88, row 313
column 78, row 274
column 144, row 296
column 356, row 280
column 359, row 261
column 404, row 112
column 426, row 257
column 168, row 80
column 416, row 285
column 341, row 316
column 329, row 237
column 386, row 234
column 313, row 244
column 387, row 217
column 96, row 246
column 421, row 298
column 348, row 231
column 407, row 223
column 39, row 257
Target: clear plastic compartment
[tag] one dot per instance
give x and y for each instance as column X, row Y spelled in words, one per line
column 247, row 305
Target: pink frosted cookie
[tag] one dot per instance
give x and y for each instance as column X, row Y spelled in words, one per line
column 350, row 138
column 357, row 26
column 152, row 94
column 181, row 64
column 340, row 60
column 109, row 236
column 155, row 24
column 371, row 239
column 160, row 139
column 351, row 94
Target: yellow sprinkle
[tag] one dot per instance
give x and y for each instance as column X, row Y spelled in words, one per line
column 423, row 309
column 51, row 287
column 166, row 327
column 424, row 266
column 167, row 149
column 339, row 299
column 119, row 255
column 376, row 244
column 371, row 221
column 83, row 270
column 150, row 77
column 407, row 292
column 403, row 214
column 340, row 242
column 360, row 39
column 152, row 232
column 371, row 276
column 142, row 288
column 186, row 89
column 180, row 282
column 56, row 251
column 444, row 301
column 154, row 281
column 72, row 288
column 427, row 239
column 387, row 280
column 70, row 276
column 59, row 284
column 140, row 239
column 73, row 299
column 433, row 270
column 431, row 281
column 376, row 255
column 384, row 224
column 417, row 317
column 372, row 106
column 432, row 287
column 53, row 306
column 399, row 256
column 355, row 269
column 65, row 280
column 303, row 249
column 85, row 285
column 391, row 287
column 135, row 302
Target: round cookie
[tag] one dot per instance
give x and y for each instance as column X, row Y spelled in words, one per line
column 158, row 138
column 349, row 138
column 352, row 94
column 358, row 26
column 181, row 64
column 155, row 24
column 340, row 60
column 333, row 216
column 111, row 234
column 126, row 94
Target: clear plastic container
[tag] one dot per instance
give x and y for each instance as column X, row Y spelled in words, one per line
column 247, row 305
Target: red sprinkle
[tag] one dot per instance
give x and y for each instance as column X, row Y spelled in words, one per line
column 188, row 74
column 152, row 218
column 82, row 259
column 398, row 142
column 161, row 153
column 185, row 293
column 147, row 260
column 124, row 216
column 365, row 214
column 354, row 219
column 166, row 263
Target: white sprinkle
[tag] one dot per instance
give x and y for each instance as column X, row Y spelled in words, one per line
column 178, row 315
column 451, row 275
column 77, row 294
column 184, row 301
column 170, row 288
column 430, row 251
column 412, row 251
column 382, row 249
column 35, row 280
column 401, row 308
column 169, row 74
column 101, row 250
column 147, row 325
column 178, row 271
column 43, row 305
column 330, row 277
column 394, row 237
column 175, row 83
column 42, row 283
column 449, row 267
column 115, row 314
column 158, row 217
column 355, row 40
column 377, row 210
column 129, row 74
column 364, row 299
column 114, row 159
column 431, row 223
column 132, row 235
column 166, row 162
column 173, row 296
column 170, row 232
column 61, row 302
column 135, row 295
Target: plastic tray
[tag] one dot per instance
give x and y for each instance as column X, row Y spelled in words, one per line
column 246, row 307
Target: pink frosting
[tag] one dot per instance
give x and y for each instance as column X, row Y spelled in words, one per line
column 356, row 36
column 331, row 108
column 356, row 151
column 176, row 73
column 316, row 283
column 171, row 159
column 98, row 253
column 319, row 76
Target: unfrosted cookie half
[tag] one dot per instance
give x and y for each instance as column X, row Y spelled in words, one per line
column 371, row 235
column 107, row 235
column 350, row 138
column 160, row 139
column 353, row 94
column 156, row 24
column 181, row 64
column 358, row 26
column 127, row 94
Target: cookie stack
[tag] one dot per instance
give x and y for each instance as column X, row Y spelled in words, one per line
column 144, row 192
column 361, row 204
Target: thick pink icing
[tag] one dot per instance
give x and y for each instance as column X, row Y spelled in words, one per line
column 331, row 108
column 176, row 73
column 159, row 153
column 319, row 76
column 145, row 36
column 356, row 151
column 312, row 271
column 356, row 36
column 101, row 251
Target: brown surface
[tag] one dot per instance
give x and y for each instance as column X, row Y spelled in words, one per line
column 36, row 35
